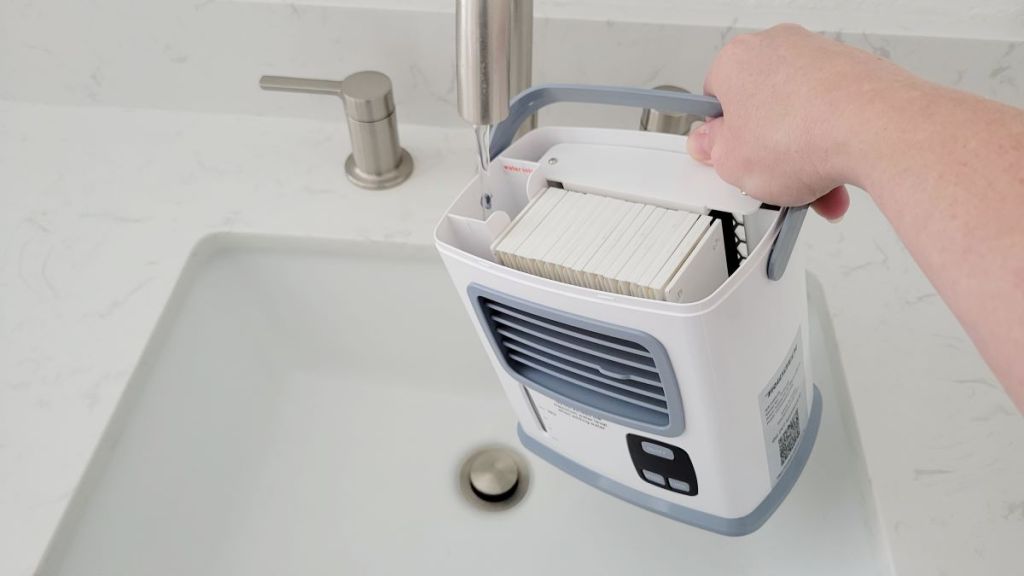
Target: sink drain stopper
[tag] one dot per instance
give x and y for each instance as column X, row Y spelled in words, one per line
column 494, row 477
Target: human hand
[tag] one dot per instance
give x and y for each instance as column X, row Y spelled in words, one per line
column 790, row 99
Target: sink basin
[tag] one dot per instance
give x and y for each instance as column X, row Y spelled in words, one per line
column 304, row 407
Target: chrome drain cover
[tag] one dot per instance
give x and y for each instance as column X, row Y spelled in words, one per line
column 494, row 477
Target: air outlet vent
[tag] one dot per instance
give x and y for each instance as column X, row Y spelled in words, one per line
column 613, row 372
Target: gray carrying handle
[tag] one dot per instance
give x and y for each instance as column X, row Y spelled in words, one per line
column 782, row 249
column 530, row 101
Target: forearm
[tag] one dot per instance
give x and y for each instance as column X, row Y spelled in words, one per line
column 947, row 169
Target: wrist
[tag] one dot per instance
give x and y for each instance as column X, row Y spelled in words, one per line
column 874, row 125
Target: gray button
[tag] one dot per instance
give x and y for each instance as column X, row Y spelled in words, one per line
column 679, row 485
column 654, row 477
column 658, row 450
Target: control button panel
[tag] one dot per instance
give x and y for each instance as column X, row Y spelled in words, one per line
column 678, row 485
column 654, row 477
column 662, row 465
column 657, row 450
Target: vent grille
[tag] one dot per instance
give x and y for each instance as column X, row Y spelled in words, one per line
column 600, row 368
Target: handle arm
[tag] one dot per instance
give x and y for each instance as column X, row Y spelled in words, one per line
column 530, row 101
column 303, row 85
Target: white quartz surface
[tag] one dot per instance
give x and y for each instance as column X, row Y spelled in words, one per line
column 205, row 55
column 971, row 18
column 99, row 208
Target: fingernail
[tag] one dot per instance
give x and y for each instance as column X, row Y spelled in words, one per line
column 837, row 219
column 699, row 143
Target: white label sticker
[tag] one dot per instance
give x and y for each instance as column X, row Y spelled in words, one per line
column 783, row 409
column 558, row 419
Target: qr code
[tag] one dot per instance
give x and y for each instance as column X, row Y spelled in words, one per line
column 789, row 437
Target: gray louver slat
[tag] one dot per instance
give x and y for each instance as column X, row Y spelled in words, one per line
column 604, row 340
column 581, row 362
column 623, row 395
column 617, row 377
column 647, row 391
column 588, row 396
column 625, row 359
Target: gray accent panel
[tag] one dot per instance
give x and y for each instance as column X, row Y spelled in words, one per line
column 725, row 526
column 778, row 258
column 653, row 347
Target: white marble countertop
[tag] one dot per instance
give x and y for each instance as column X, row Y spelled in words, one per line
column 100, row 207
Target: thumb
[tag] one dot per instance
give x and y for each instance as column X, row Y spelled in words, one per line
column 701, row 140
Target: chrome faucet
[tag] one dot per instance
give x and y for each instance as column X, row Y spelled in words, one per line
column 493, row 61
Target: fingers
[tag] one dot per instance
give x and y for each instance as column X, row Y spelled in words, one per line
column 833, row 206
column 701, row 142
column 701, row 145
column 719, row 66
column 709, row 81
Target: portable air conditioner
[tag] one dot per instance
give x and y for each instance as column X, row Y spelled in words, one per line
column 702, row 411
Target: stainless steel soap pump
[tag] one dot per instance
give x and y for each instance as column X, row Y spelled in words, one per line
column 377, row 160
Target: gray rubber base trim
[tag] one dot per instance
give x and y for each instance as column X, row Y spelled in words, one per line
column 726, row 526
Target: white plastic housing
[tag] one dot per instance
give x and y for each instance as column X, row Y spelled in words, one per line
column 724, row 349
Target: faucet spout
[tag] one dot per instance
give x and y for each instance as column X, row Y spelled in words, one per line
column 521, row 63
column 483, row 47
column 493, row 56
column 493, row 62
